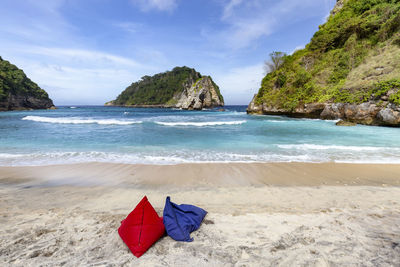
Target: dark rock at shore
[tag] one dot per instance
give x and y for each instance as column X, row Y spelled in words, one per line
column 23, row 102
column 18, row 92
column 367, row 113
column 345, row 123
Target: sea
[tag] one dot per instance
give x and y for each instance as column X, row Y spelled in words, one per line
column 77, row 134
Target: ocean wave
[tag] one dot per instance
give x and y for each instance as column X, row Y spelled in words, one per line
column 181, row 157
column 200, row 124
column 276, row 121
column 166, row 158
column 72, row 120
column 331, row 147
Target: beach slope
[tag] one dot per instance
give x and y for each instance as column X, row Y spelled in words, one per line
column 287, row 214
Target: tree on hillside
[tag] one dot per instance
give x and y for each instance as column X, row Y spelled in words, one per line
column 275, row 62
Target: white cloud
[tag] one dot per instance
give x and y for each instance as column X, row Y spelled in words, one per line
column 228, row 9
column 160, row 5
column 81, row 56
column 91, row 80
column 247, row 21
column 78, row 76
column 61, row 60
column 69, row 85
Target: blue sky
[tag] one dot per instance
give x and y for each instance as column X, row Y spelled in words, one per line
column 88, row 51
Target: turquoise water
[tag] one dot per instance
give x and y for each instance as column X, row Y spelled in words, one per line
column 167, row 136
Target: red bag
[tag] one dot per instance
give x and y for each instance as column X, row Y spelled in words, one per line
column 142, row 228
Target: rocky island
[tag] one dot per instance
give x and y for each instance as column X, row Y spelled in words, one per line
column 350, row 70
column 18, row 92
column 182, row 87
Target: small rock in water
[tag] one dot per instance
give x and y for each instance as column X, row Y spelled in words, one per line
column 345, row 123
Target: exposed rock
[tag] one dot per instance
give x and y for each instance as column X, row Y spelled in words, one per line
column 254, row 108
column 389, row 117
column 345, row 123
column 367, row 113
column 110, row 103
column 21, row 102
column 312, row 110
column 182, row 87
column 339, row 5
column 333, row 111
column 201, row 94
column 364, row 113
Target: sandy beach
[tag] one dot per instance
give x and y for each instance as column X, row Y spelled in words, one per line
column 272, row 214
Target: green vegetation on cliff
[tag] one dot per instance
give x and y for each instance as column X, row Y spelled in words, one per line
column 160, row 88
column 13, row 82
column 221, row 98
column 353, row 57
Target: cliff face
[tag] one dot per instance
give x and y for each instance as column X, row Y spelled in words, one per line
column 201, row 94
column 350, row 70
column 180, row 88
column 18, row 92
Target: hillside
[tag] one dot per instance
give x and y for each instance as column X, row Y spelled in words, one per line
column 18, row 92
column 350, row 70
column 182, row 87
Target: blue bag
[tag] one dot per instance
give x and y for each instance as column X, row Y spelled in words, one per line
column 181, row 220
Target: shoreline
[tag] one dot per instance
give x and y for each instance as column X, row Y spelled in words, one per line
column 206, row 174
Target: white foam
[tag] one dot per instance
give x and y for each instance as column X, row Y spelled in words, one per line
column 179, row 156
column 275, row 121
column 72, row 107
column 330, row 147
column 72, row 120
column 200, row 124
column 165, row 158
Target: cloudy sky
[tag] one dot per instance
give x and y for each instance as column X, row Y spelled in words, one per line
column 88, row 51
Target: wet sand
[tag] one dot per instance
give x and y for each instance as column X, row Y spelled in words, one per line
column 287, row 214
column 206, row 175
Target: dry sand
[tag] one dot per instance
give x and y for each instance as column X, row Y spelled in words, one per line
column 287, row 214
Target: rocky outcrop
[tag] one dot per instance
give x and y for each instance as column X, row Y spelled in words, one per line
column 337, row 7
column 201, row 94
column 18, row 92
column 373, row 112
column 341, row 73
column 23, row 102
column 182, row 87
column 312, row 110
column 345, row 123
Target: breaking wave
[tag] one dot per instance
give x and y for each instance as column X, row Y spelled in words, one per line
column 79, row 120
column 200, row 124
column 181, row 156
column 330, row 147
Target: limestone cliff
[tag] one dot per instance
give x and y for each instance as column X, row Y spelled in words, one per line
column 201, row 94
column 350, row 70
column 182, row 87
column 18, row 92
